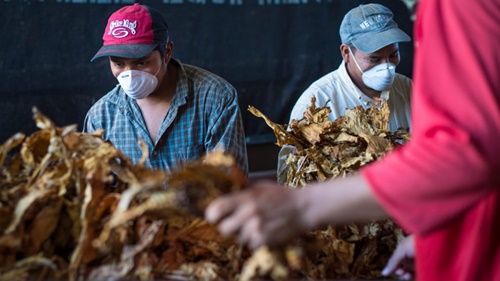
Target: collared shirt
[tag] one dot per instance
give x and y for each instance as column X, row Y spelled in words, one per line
column 337, row 90
column 204, row 114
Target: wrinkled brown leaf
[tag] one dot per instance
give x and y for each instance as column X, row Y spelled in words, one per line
column 72, row 206
column 331, row 149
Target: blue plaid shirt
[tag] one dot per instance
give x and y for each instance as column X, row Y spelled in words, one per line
column 204, row 114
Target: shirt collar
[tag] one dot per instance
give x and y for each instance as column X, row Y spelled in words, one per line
column 182, row 88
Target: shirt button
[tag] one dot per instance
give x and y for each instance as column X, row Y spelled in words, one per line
column 154, row 154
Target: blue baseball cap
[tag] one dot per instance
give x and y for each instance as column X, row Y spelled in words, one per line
column 370, row 28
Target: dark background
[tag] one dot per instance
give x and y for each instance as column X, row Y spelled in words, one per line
column 270, row 50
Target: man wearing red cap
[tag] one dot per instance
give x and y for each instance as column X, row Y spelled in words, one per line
column 179, row 110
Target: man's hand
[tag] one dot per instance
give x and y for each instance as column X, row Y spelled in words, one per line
column 269, row 214
column 401, row 262
column 265, row 214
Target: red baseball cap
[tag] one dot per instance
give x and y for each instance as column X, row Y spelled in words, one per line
column 133, row 32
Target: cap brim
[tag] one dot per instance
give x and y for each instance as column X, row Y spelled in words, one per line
column 370, row 43
column 125, row 51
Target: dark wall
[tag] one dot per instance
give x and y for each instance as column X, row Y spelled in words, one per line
column 270, row 50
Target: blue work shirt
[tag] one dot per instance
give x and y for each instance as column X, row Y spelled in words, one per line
column 204, row 114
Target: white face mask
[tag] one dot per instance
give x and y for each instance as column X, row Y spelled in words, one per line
column 379, row 77
column 138, row 84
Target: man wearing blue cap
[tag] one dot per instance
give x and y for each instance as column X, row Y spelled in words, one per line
column 370, row 53
column 179, row 110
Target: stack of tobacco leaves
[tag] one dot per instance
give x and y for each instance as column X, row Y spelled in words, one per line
column 324, row 150
column 73, row 207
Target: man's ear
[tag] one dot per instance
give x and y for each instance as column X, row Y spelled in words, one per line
column 169, row 48
column 344, row 51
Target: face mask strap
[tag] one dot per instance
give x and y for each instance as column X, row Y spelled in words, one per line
column 352, row 55
column 159, row 68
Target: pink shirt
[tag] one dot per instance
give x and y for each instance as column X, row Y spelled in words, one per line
column 444, row 186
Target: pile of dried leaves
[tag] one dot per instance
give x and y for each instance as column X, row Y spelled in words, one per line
column 73, row 207
column 325, row 150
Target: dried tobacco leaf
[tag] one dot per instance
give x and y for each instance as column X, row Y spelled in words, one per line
column 10, row 144
column 25, row 268
column 264, row 263
column 282, row 135
column 72, row 206
column 331, row 149
column 44, row 223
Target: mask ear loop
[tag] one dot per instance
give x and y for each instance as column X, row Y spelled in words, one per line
column 162, row 62
column 352, row 55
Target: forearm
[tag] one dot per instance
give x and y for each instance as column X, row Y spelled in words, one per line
column 339, row 201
